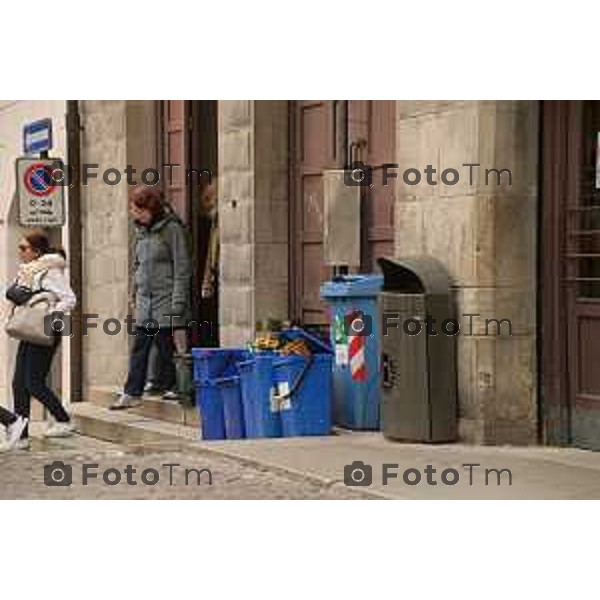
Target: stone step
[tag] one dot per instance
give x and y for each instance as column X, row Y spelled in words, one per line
column 129, row 429
column 153, row 407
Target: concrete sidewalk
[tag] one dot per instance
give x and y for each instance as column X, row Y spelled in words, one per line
column 535, row 472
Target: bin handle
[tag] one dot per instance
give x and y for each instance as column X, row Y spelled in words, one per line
column 298, row 381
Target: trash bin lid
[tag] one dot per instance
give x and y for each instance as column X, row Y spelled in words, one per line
column 415, row 274
column 352, row 285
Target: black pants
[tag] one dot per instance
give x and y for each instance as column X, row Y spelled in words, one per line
column 31, row 371
column 138, row 361
column 6, row 417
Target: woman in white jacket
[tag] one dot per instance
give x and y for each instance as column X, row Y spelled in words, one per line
column 41, row 268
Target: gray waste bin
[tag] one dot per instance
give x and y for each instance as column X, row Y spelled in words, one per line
column 418, row 369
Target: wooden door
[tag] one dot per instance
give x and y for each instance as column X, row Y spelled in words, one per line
column 372, row 133
column 583, row 275
column 324, row 134
column 176, row 130
column 314, row 149
column 570, row 273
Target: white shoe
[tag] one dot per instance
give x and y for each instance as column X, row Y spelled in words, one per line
column 22, row 444
column 60, row 430
column 18, row 445
column 126, row 401
column 14, row 431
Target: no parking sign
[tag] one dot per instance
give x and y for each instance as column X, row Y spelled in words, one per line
column 40, row 193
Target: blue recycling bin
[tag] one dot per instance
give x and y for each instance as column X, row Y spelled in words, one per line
column 210, row 409
column 233, row 412
column 308, row 409
column 355, row 332
column 217, row 395
column 304, row 394
column 213, row 363
column 261, row 414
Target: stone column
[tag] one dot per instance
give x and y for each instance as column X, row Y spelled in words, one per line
column 253, row 215
column 115, row 134
column 485, row 234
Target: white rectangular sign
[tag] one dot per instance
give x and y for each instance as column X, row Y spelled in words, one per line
column 40, row 194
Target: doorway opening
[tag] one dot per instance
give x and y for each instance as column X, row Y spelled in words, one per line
column 190, row 140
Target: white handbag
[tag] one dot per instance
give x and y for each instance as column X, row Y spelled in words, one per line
column 31, row 321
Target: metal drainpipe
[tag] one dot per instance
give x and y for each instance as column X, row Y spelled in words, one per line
column 75, row 245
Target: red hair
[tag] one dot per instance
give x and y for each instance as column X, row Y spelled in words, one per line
column 150, row 199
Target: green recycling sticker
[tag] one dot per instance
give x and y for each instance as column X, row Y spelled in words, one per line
column 341, row 340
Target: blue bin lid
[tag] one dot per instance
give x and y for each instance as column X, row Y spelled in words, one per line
column 352, row 286
column 316, row 345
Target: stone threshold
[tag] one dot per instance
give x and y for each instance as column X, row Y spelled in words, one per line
column 153, row 407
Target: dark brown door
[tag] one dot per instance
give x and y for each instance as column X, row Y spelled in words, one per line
column 379, row 118
column 570, row 273
column 323, row 133
column 314, row 149
column 583, row 277
column 176, row 129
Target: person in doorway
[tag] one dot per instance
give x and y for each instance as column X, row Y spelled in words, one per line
column 208, row 263
column 42, row 268
column 162, row 276
column 208, row 211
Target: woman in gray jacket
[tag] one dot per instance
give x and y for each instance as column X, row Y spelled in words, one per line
column 162, row 276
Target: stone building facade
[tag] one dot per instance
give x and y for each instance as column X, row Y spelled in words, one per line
column 14, row 114
column 486, row 234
